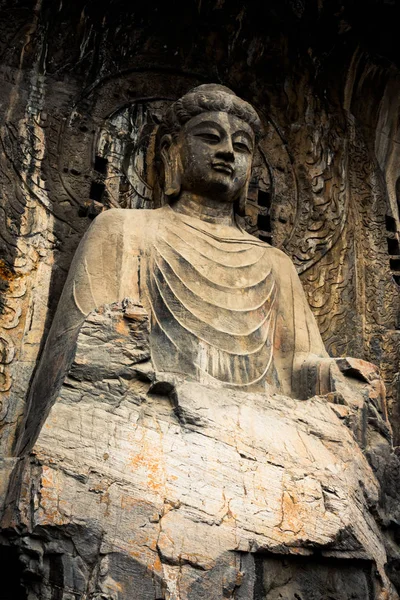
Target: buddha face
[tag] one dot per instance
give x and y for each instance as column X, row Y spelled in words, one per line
column 215, row 152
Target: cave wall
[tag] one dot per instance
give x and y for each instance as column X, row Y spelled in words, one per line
column 82, row 87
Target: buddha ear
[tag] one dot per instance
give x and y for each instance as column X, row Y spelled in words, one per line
column 172, row 166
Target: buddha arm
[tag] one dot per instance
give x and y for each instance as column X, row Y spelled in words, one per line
column 311, row 363
column 104, row 270
column 300, row 352
column 304, row 357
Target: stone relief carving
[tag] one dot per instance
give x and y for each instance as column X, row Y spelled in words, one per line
column 122, row 169
column 181, row 340
column 224, row 306
column 100, row 157
column 71, row 77
column 308, row 223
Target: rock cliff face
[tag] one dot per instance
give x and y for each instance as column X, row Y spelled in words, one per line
column 83, row 88
column 137, row 488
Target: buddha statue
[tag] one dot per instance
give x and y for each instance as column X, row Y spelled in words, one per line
column 226, row 309
column 176, row 461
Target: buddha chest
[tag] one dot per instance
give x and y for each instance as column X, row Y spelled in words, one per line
column 213, row 302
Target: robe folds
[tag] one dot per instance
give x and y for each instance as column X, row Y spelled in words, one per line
column 225, row 308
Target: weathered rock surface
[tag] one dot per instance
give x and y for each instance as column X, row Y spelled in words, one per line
column 146, row 488
column 83, row 85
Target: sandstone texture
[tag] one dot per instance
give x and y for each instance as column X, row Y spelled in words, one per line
column 138, row 487
column 143, row 485
column 83, row 88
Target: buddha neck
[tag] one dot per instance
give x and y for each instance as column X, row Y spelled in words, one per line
column 206, row 209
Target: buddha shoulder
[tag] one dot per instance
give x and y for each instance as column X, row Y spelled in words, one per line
column 281, row 263
column 101, row 272
column 117, row 231
column 118, row 222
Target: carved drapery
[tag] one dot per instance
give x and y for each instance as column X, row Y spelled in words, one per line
column 76, row 138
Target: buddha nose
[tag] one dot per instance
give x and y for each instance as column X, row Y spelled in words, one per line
column 225, row 150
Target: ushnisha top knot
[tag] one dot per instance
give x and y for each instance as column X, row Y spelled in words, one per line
column 209, row 97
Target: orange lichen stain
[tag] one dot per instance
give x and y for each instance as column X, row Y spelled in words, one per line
column 153, row 545
column 138, row 554
column 292, row 518
column 155, row 477
column 129, row 503
column 146, row 460
column 6, row 273
column 157, row 566
column 49, row 498
column 139, row 549
column 47, row 477
column 110, row 587
column 122, row 328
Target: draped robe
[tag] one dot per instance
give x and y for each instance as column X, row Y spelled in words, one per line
column 213, row 303
column 225, row 308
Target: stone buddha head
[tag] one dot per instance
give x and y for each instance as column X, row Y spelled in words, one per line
column 206, row 143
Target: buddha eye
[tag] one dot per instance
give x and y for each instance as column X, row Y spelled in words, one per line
column 211, row 138
column 241, row 147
